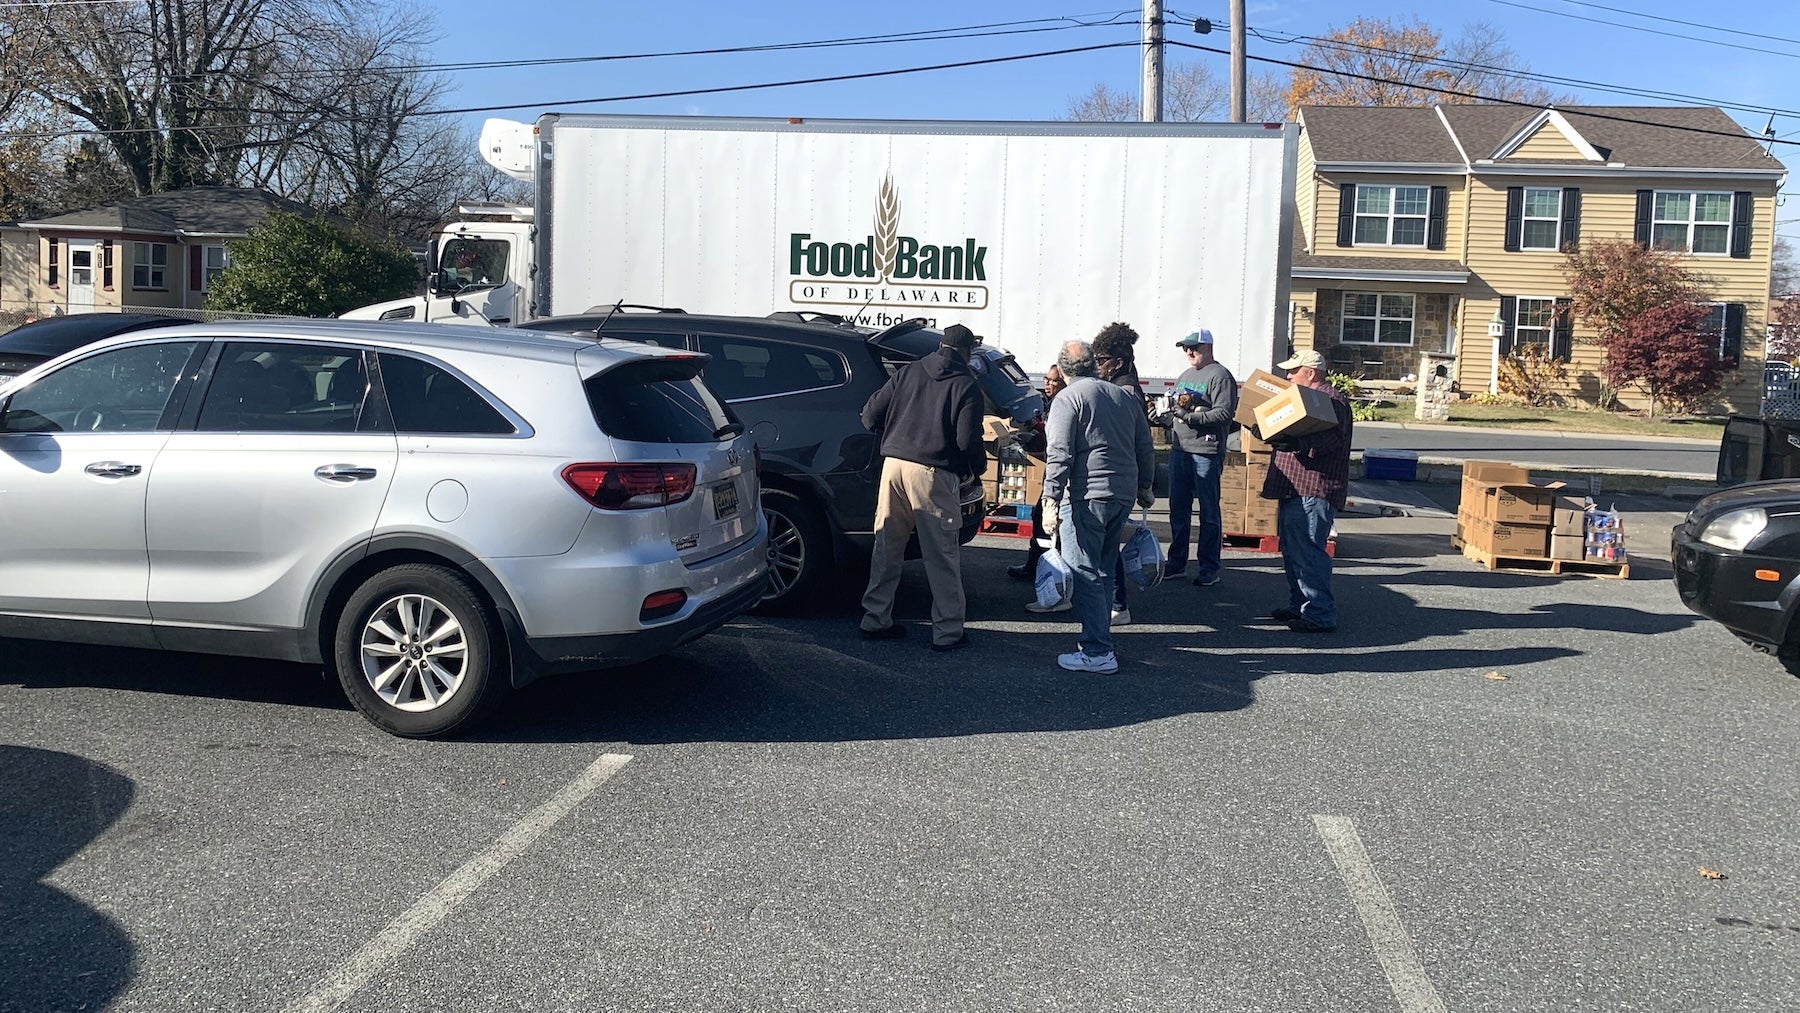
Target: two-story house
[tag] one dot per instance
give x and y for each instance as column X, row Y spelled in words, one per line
column 159, row 251
column 1442, row 229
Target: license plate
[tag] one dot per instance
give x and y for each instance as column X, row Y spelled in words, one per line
column 725, row 500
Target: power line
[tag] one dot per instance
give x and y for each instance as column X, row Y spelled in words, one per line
column 1677, row 21
column 1477, row 97
column 1647, row 31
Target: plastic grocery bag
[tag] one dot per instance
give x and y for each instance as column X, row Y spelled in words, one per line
column 1142, row 555
column 1055, row 582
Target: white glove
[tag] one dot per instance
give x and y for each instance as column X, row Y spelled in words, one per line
column 1052, row 517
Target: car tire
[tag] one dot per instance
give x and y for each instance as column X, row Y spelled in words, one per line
column 418, row 651
column 799, row 551
column 1789, row 652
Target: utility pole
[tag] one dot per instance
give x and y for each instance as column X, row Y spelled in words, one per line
column 1237, row 61
column 1153, row 59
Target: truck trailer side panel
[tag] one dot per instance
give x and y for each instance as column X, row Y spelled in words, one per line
column 1029, row 233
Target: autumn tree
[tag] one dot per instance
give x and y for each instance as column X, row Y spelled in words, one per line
column 1784, row 330
column 1192, row 93
column 1646, row 308
column 1379, row 62
column 1784, row 273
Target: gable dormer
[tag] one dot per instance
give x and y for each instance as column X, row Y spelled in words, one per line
column 1548, row 137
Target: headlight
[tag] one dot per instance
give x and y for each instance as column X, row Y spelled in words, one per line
column 1736, row 529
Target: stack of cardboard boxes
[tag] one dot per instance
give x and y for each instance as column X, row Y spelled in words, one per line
column 1503, row 514
column 1015, row 478
column 1277, row 408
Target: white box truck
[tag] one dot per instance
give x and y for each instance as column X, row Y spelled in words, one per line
column 1031, row 234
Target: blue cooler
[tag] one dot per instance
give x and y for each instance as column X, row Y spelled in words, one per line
column 1396, row 465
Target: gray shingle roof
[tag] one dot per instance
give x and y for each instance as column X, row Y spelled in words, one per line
column 1684, row 137
column 206, row 210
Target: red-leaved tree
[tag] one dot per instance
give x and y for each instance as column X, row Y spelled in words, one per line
column 1784, row 330
column 1644, row 304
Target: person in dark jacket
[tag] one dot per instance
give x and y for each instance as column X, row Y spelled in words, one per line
column 1116, row 359
column 928, row 421
column 1309, row 477
column 1203, row 402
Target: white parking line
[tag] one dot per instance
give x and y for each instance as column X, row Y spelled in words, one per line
column 350, row 976
column 1393, row 947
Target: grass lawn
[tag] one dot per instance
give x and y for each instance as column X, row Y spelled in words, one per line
column 1518, row 416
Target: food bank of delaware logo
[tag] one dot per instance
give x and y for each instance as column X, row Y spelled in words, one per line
column 887, row 268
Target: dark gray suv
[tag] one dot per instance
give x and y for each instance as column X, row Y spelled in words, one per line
column 799, row 382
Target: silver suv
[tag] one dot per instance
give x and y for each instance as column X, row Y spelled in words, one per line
column 438, row 513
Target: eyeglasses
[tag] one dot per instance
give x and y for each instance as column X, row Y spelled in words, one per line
column 1109, row 358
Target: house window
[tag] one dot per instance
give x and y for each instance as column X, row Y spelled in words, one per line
column 1534, row 322
column 213, row 259
column 1695, row 222
column 149, row 265
column 1392, row 215
column 1372, row 318
column 1542, row 218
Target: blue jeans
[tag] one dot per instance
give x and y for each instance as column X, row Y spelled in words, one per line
column 1304, row 525
column 1193, row 475
column 1090, row 545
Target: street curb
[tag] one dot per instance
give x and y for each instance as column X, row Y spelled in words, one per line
column 1699, row 441
column 1590, row 481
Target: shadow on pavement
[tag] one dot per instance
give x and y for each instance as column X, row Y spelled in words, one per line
column 41, row 665
column 56, row 953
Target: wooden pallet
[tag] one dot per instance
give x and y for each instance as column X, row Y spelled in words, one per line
column 1549, row 567
column 1266, row 543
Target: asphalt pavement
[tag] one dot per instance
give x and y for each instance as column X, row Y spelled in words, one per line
column 1659, row 455
column 1485, row 792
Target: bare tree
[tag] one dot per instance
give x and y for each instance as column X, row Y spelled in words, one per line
column 1192, row 93
column 1377, row 62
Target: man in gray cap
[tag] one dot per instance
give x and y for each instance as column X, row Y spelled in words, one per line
column 1200, row 411
column 928, row 421
column 1309, row 476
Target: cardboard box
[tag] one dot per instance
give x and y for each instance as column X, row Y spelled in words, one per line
column 1259, row 524
column 1564, row 521
column 1296, row 411
column 1015, row 477
column 1531, row 541
column 1566, row 546
column 1259, row 387
column 996, row 430
column 1249, row 444
column 1231, row 517
column 1503, row 493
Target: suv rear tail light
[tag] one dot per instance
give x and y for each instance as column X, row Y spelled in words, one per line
column 631, row 486
column 662, row 605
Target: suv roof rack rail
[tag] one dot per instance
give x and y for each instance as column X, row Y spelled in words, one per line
column 811, row 317
column 592, row 310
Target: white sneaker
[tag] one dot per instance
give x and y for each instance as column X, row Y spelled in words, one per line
column 1101, row 664
column 1033, row 606
column 1121, row 617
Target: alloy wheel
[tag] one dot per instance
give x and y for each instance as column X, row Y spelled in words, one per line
column 414, row 653
column 787, row 553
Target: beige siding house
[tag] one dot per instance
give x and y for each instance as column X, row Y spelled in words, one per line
column 154, row 252
column 1441, row 230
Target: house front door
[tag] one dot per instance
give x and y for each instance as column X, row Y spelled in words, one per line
column 81, row 275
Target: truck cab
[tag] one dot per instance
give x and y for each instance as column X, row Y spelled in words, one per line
column 480, row 271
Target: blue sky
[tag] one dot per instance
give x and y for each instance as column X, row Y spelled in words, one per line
column 1758, row 65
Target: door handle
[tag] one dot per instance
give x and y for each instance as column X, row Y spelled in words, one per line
column 343, row 473
column 113, row 469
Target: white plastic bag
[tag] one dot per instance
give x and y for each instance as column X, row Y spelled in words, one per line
column 1055, row 581
column 1142, row 555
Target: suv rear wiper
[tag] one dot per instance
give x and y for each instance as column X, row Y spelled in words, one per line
column 728, row 431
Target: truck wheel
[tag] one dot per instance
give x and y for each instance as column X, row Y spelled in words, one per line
column 799, row 551
column 415, row 651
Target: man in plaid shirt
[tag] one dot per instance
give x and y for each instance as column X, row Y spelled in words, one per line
column 1309, row 476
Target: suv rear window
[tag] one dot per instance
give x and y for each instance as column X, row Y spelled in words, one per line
column 659, row 401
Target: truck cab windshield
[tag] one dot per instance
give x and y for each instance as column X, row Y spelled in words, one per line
column 472, row 263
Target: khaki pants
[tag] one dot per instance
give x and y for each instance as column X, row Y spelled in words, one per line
column 916, row 497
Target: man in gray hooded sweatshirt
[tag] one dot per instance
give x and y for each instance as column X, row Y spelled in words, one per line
column 1203, row 402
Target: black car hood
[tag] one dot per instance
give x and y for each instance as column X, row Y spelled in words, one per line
column 1783, row 492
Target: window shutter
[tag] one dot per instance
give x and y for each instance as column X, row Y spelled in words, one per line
column 1515, row 216
column 1640, row 232
column 1509, row 308
column 1562, row 337
column 1434, row 224
column 106, row 264
column 1742, row 206
column 1346, row 214
column 194, row 267
column 1732, row 350
column 1571, row 217
column 50, row 270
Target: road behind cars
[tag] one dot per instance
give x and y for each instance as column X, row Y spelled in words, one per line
column 808, row 821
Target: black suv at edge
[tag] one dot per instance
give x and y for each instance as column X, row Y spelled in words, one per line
column 799, row 383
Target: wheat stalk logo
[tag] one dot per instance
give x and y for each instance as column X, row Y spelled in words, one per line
column 887, row 228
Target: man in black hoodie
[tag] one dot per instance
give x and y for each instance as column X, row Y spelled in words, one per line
column 928, row 421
